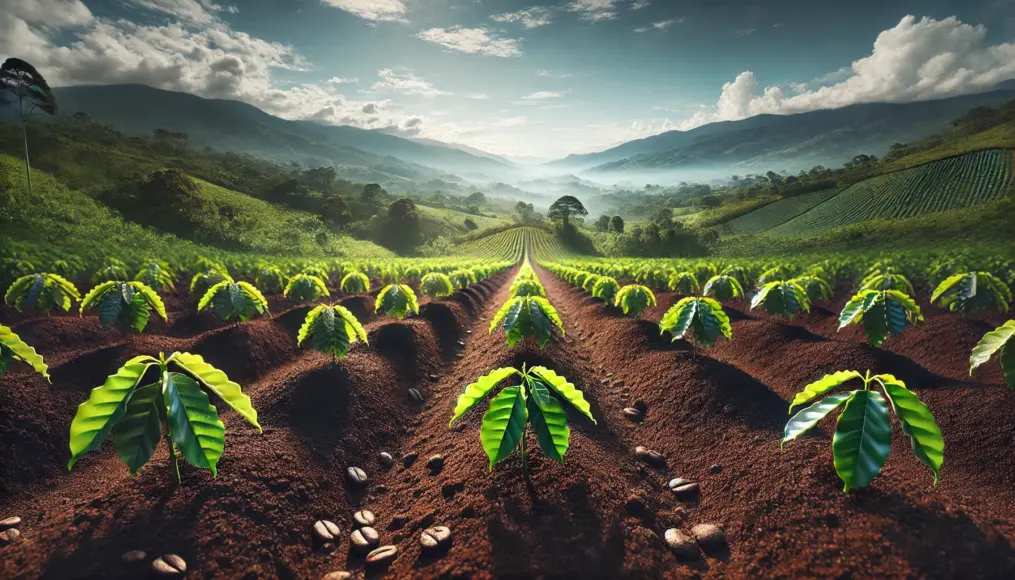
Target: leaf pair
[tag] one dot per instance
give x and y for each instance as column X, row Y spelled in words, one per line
column 306, row 288
column 436, row 285
column 525, row 316
column 135, row 415
column 683, row 283
column 203, row 281
column 157, row 276
column 703, row 318
column 1000, row 342
column 42, row 292
column 234, row 300
column 881, row 312
column 332, row 329
column 355, row 283
column 724, row 288
column 634, row 299
column 863, row 432
column 973, row 292
column 397, row 301
column 782, row 298
column 128, row 304
column 534, row 401
column 12, row 348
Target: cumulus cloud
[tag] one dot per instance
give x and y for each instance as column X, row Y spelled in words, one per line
column 594, row 10
column 375, row 10
column 530, row 18
column 471, row 41
column 404, row 82
column 46, row 14
column 343, row 81
column 192, row 11
column 662, row 25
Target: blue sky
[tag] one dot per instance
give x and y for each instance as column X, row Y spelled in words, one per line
column 522, row 77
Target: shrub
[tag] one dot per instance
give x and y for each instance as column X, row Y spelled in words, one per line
column 782, row 299
column 880, row 312
column 42, row 292
column 332, row 329
column 724, row 288
column 606, row 289
column 973, row 292
column 305, row 288
column 156, row 275
column 683, row 283
column 525, row 316
column 635, row 299
column 397, row 301
column 270, row 279
column 204, row 280
column 234, row 300
column 128, row 304
column 436, row 285
column 703, row 318
column 355, row 283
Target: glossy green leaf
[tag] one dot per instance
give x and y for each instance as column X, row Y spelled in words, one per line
column 549, row 422
column 990, row 344
column 308, row 323
column 565, row 389
column 139, row 430
column 677, row 320
column 918, row 423
column 217, row 382
column 503, row 424
column 862, row 440
column 822, row 386
column 193, row 422
column 875, row 321
column 397, row 301
column 475, row 392
column 20, row 350
column 806, row 418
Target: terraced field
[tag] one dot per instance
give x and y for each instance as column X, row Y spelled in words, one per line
column 774, row 214
column 958, row 182
column 510, row 243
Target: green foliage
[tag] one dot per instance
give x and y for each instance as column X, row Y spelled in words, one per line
column 135, row 415
column 685, row 283
column 998, row 341
column 816, row 287
column 462, row 278
column 234, row 300
column 305, row 288
column 270, row 279
column 606, row 289
column 157, row 275
column 397, row 301
column 332, row 329
column 703, row 318
column 724, row 288
column 128, row 304
column 204, row 280
column 525, row 316
column 316, row 270
column 881, row 312
column 355, row 283
column 535, row 402
column 42, row 292
column 114, row 270
column 527, row 286
column 887, row 281
column 780, row 298
column 863, row 434
column 973, row 292
column 12, row 348
column 436, row 285
column 634, row 299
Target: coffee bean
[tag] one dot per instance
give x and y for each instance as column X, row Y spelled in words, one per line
column 650, row 456
column 686, row 490
column 415, row 395
column 133, row 557
column 409, row 458
column 340, row 575
column 382, row 556
column 683, row 546
column 435, row 537
column 364, row 539
column 325, row 531
column 11, row 522
column 364, row 518
column 169, row 566
column 356, row 476
column 435, row 463
column 9, row 536
column 710, row 537
column 386, row 460
column 632, row 414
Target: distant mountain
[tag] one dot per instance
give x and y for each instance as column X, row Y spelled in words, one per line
column 235, row 126
column 790, row 142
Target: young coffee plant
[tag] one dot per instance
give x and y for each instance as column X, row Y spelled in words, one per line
column 702, row 318
column 724, row 288
column 203, row 281
column 436, row 285
column 462, row 278
column 634, row 299
column 413, row 274
column 305, row 288
column 12, row 348
column 113, row 271
column 270, row 279
column 1000, row 342
column 863, row 433
column 590, row 282
column 135, row 415
column 816, row 287
column 534, row 403
column 782, row 299
column 42, row 292
column 527, row 287
column 389, row 275
column 606, row 289
column 128, row 304
column 331, row 329
column 888, row 280
column 316, row 270
column 234, row 301
column 973, row 292
column 156, row 275
column 525, row 316
column 880, row 312
column 683, row 283
column 355, row 283
column 397, row 301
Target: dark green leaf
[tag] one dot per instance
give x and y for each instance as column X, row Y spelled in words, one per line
column 863, row 437
column 193, row 422
column 139, row 430
column 503, row 424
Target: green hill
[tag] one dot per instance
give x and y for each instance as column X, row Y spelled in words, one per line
column 776, row 213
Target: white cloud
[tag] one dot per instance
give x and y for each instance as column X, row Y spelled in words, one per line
column 594, row 10
column 548, row 74
column 510, row 122
column 46, row 14
column 530, row 18
column 477, row 96
column 404, row 82
column 375, row 10
column 191, row 11
column 343, row 81
column 471, row 41
column 639, row 4
column 542, row 95
column 662, row 25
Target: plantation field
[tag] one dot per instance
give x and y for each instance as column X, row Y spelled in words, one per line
column 452, row 222
column 633, row 453
column 776, row 213
column 953, row 183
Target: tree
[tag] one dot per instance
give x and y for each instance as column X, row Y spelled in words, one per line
column 372, row 194
column 335, row 211
column 525, row 211
column 30, row 91
column 470, row 225
column 603, row 223
column 565, row 208
column 476, row 198
column 617, row 224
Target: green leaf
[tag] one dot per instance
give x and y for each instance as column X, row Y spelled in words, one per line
column 539, row 321
column 397, row 300
column 503, row 424
column 946, row 285
column 151, row 297
column 194, row 423
column 1008, row 363
column 475, row 392
column 714, row 321
column 23, row 352
column 549, row 422
column 854, row 309
column 806, row 418
column 138, row 313
column 918, row 423
column 822, row 386
column 211, row 294
column 105, row 406
column 875, row 321
column 862, row 440
column 137, row 433
column 991, row 342
column 111, row 305
column 308, row 323
column 353, row 326
column 217, row 382
column 677, row 319
column 566, row 390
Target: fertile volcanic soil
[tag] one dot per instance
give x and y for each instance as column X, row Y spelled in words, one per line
column 716, row 415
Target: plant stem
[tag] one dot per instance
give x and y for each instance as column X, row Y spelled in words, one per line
column 174, row 463
column 525, row 461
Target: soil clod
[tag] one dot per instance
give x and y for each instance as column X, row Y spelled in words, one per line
column 133, row 557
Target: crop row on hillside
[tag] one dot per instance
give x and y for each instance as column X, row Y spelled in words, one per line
column 952, row 183
column 776, row 213
column 510, row 244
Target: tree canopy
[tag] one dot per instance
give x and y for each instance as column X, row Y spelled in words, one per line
column 565, row 208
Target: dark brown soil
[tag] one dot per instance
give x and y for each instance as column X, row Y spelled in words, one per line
column 601, row 514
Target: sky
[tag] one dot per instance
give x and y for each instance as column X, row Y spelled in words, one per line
column 523, row 78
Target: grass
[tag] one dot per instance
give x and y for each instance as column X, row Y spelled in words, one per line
column 776, row 213
column 451, row 223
